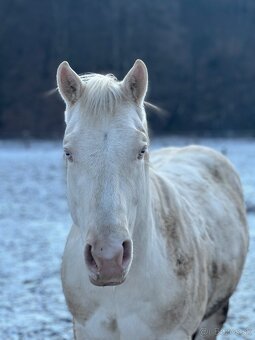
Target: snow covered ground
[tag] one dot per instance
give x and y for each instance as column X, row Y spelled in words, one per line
column 34, row 223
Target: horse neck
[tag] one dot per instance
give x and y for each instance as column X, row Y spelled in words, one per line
column 146, row 238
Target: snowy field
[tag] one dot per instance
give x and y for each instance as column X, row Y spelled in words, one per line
column 34, row 223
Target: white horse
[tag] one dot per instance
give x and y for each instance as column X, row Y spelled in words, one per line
column 158, row 241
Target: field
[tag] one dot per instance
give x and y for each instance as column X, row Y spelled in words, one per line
column 34, row 223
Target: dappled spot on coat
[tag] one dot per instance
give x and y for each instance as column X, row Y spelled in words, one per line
column 111, row 325
column 214, row 273
column 182, row 262
column 184, row 265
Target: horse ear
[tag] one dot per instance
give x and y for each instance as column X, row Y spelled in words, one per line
column 136, row 81
column 69, row 83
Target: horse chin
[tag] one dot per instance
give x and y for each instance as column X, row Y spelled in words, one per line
column 102, row 283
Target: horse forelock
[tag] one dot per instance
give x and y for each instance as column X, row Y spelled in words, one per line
column 102, row 94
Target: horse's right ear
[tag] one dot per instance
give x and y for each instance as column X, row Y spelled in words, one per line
column 70, row 85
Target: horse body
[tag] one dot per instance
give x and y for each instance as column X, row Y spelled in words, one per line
column 188, row 237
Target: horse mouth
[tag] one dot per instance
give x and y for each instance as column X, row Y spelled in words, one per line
column 102, row 283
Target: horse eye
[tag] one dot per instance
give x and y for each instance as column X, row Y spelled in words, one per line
column 68, row 156
column 142, row 152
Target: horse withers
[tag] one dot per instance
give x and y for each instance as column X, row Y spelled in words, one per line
column 159, row 239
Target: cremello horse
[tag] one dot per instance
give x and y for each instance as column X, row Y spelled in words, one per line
column 158, row 241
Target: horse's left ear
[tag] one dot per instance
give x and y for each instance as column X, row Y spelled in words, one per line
column 136, row 81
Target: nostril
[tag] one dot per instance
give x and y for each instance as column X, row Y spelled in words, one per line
column 127, row 250
column 89, row 259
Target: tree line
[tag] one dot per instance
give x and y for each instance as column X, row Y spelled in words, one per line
column 200, row 57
